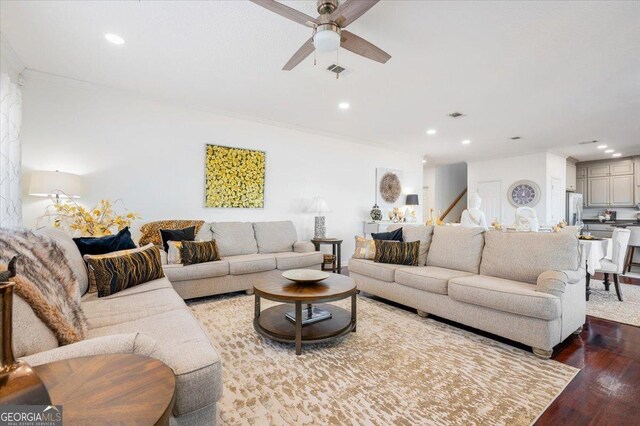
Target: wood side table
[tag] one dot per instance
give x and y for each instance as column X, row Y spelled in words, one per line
column 111, row 389
column 336, row 245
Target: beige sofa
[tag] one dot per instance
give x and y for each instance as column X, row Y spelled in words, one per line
column 527, row 287
column 249, row 252
column 150, row 319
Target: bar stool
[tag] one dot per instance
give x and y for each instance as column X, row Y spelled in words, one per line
column 634, row 242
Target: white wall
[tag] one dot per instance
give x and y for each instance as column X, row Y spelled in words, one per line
column 451, row 180
column 538, row 167
column 151, row 155
column 10, row 64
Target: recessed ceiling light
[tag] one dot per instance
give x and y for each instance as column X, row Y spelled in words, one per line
column 114, row 38
column 601, row 146
column 466, row 142
column 344, row 105
column 617, row 154
column 424, row 161
column 432, row 132
column 609, row 151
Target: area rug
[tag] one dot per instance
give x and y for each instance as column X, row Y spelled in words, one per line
column 605, row 304
column 396, row 369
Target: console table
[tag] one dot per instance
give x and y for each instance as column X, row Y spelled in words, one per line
column 382, row 225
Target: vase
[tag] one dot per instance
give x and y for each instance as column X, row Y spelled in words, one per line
column 376, row 213
column 19, row 383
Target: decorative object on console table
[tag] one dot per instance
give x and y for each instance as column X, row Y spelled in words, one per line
column 319, row 205
column 19, row 384
column 376, row 213
column 235, row 177
column 411, row 201
column 335, row 251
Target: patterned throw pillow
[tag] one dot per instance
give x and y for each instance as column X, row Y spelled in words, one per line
column 114, row 272
column 193, row 252
column 397, row 253
column 365, row 249
column 151, row 231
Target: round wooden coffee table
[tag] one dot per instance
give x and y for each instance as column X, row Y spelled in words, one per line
column 273, row 323
column 111, row 389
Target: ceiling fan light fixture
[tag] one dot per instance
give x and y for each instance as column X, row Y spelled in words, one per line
column 327, row 38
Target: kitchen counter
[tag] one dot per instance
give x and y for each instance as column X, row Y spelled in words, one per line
column 619, row 223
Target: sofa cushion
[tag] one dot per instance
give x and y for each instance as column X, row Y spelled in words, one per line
column 456, row 247
column 177, row 273
column 184, row 346
column 505, row 295
column 76, row 262
column 275, row 237
column 292, row 260
column 234, row 238
column 153, row 297
column 421, row 233
column 523, row 256
column 381, row 271
column 396, row 252
column 250, row 263
column 106, row 244
column 429, row 278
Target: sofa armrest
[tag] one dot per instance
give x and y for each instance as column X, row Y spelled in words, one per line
column 134, row 343
column 303, row 247
column 555, row 282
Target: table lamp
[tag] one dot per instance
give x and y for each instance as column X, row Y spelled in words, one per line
column 55, row 185
column 319, row 205
column 412, row 200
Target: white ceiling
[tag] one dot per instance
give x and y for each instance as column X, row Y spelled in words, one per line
column 555, row 73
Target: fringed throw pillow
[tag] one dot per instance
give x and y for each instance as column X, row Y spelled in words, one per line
column 397, row 253
column 192, row 252
column 114, row 272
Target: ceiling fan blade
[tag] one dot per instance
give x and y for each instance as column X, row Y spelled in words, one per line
column 362, row 47
column 287, row 12
column 351, row 10
column 299, row 56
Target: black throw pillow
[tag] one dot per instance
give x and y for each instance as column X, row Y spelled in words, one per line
column 186, row 234
column 103, row 245
column 389, row 236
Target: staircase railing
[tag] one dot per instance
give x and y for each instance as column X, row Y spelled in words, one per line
column 453, row 204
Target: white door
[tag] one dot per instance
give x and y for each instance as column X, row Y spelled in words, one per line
column 557, row 200
column 490, row 194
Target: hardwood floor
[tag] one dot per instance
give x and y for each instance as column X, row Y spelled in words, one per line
column 606, row 391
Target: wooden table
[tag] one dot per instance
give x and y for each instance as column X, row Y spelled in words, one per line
column 336, row 245
column 111, row 389
column 273, row 324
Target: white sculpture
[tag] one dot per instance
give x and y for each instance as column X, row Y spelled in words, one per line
column 526, row 220
column 473, row 217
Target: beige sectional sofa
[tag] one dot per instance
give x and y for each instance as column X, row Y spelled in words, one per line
column 527, row 287
column 249, row 252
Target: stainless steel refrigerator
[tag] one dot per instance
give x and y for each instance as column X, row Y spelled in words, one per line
column 574, row 204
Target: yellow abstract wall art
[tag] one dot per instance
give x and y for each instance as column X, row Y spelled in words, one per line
column 234, row 177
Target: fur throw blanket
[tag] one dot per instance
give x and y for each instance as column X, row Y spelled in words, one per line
column 45, row 281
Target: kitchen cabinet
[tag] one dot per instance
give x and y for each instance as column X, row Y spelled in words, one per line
column 581, row 172
column 621, row 168
column 599, row 170
column 598, row 191
column 581, row 188
column 571, row 176
column 621, row 191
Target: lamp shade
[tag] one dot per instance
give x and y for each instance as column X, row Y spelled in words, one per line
column 47, row 184
column 412, row 200
column 318, row 205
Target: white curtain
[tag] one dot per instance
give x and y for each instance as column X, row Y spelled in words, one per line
column 10, row 123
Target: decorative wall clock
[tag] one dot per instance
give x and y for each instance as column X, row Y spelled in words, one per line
column 524, row 193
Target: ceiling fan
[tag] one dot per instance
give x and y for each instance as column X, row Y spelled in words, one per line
column 328, row 28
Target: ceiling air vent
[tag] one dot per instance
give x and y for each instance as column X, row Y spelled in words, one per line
column 587, row 142
column 336, row 69
column 456, row 115
column 516, row 138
